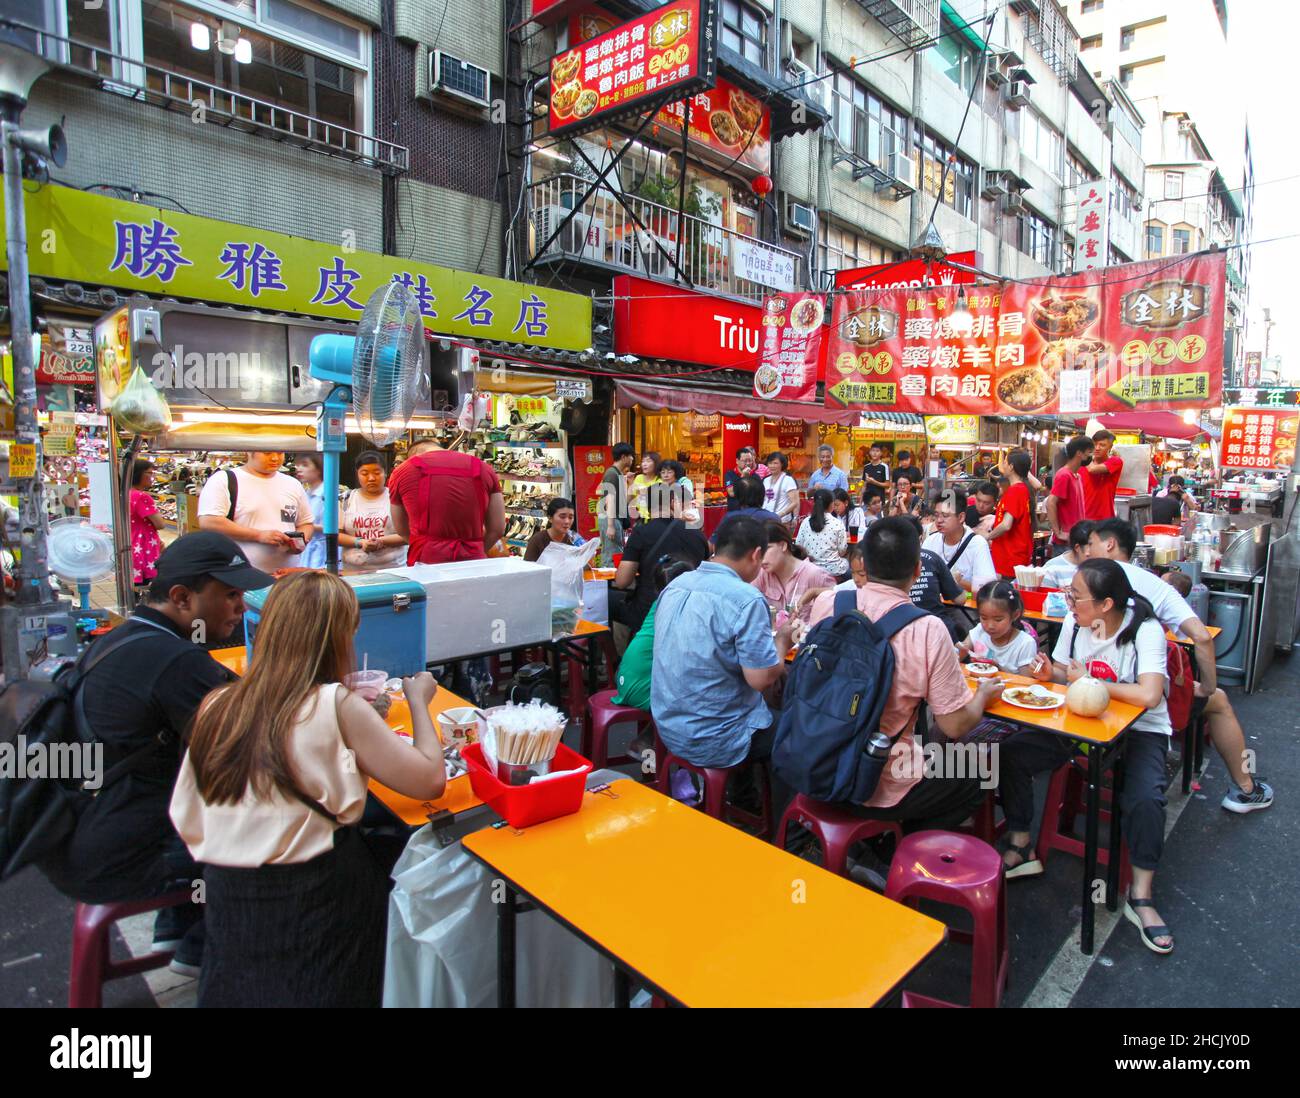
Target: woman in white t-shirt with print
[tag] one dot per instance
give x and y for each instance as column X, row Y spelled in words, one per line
column 780, row 491
column 1111, row 633
column 366, row 523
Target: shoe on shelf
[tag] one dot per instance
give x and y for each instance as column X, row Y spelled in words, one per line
column 1241, row 802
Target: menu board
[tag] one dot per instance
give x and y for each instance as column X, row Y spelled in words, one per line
column 792, row 347
column 1259, row 438
column 635, row 66
column 1143, row 336
column 899, row 350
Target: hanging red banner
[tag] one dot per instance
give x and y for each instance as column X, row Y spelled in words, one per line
column 900, row 351
column 792, row 347
column 1138, row 335
column 588, row 471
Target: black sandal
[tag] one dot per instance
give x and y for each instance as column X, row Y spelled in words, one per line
column 1149, row 933
column 1028, row 866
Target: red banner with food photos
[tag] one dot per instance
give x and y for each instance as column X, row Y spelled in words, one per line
column 899, row 350
column 1259, row 438
column 634, row 66
column 790, row 355
column 1137, row 336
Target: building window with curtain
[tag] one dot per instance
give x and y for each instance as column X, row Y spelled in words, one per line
column 744, row 29
column 931, row 154
column 865, row 124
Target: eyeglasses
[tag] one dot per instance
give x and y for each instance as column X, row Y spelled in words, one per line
column 1072, row 599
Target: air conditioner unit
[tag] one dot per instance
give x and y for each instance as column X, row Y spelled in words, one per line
column 998, row 66
column 903, row 170
column 1017, row 94
column 800, row 219
column 1014, row 203
column 583, row 237
column 459, row 81
column 995, row 184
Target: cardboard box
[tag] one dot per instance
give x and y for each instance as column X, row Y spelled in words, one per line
column 475, row 606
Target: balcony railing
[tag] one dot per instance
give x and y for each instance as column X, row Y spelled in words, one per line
column 602, row 232
column 149, row 83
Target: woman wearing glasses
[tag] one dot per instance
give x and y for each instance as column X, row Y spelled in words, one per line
column 1110, row 634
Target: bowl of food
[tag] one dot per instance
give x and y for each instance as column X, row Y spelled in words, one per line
column 726, row 129
column 458, row 725
column 1075, row 354
column 807, row 315
column 747, row 110
column 563, row 99
column 1057, row 316
column 983, row 670
column 1028, row 389
column 566, row 67
column 586, row 103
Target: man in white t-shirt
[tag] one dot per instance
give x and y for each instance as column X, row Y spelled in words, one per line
column 965, row 553
column 1115, row 540
column 269, row 506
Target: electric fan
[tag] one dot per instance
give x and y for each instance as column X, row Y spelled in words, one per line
column 79, row 553
column 379, row 372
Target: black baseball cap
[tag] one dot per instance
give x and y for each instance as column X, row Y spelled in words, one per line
column 207, row 553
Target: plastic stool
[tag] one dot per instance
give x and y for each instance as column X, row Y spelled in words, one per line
column 92, row 966
column 602, row 713
column 1062, row 807
column 836, row 829
column 715, row 791
column 985, row 825
column 965, row 872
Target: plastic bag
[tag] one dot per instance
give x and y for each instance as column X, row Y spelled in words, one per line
column 566, row 563
column 140, row 408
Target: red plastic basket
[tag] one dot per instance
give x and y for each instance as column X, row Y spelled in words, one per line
column 525, row 805
column 1169, row 531
column 1034, row 600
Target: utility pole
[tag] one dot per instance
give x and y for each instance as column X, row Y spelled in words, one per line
column 23, row 624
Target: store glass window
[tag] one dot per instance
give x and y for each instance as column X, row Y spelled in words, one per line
column 1155, row 240
column 278, row 72
column 1089, row 6
column 744, row 29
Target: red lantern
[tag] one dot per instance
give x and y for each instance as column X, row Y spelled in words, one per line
column 761, row 185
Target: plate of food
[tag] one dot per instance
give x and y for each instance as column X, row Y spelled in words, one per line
column 982, row 670
column 1033, row 697
column 564, row 98
column 1075, row 354
column 565, row 68
column 1062, row 315
column 747, row 109
column 807, row 315
column 767, row 381
column 726, row 129
column 1027, row 389
column 586, row 103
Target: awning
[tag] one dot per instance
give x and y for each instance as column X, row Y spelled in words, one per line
column 661, row 398
column 1161, row 424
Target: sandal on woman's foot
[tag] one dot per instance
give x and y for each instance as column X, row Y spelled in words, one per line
column 1028, row 866
column 1149, row 933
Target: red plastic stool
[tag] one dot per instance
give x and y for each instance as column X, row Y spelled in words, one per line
column 715, row 790
column 92, row 966
column 835, row 829
column 1063, row 806
column 985, row 825
column 965, row 872
column 602, row 713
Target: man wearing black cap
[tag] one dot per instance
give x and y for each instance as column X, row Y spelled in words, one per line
column 145, row 690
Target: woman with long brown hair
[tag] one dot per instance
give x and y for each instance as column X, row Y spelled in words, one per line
column 277, row 770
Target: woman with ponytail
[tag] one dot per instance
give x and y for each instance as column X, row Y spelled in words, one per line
column 1111, row 634
column 824, row 537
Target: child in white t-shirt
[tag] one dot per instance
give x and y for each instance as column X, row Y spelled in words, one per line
column 1001, row 637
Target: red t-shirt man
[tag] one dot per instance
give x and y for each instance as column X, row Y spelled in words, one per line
column 1099, row 489
column 1016, row 546
column 445, row 496
column 1070, row 506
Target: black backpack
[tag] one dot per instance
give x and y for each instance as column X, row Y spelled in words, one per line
column 37, row 814
column 834, row 695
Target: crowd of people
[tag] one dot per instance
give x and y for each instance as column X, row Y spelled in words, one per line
column 255, row 784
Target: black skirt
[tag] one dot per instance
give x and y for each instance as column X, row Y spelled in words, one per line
column 308, row 935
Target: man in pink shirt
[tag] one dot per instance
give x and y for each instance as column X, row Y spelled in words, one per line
column 925, row 670
column 1066, row 504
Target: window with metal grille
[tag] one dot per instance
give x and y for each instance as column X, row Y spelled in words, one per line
column 744, row 29
column 455, row 75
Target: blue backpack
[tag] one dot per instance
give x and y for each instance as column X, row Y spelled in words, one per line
column 834, row 695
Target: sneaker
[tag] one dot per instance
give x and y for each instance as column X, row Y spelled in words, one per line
column 171, row 924
column 867, row 877
column 188, row 958
column 684, row 788
column 1259, row 797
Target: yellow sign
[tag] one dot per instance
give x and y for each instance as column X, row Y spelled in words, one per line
column 952, row 430
column 92, row 238
column 22, row 460
column 61, row 438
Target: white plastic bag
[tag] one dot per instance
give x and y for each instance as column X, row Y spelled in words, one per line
column 442, row 940
column 566, row 563
column 141, row 408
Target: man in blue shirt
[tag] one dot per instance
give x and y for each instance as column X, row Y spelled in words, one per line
column 714, row 655
column 829, row 475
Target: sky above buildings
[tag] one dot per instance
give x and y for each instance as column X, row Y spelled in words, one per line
column 1262, row 36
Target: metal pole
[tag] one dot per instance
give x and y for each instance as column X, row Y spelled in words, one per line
column 22, row 622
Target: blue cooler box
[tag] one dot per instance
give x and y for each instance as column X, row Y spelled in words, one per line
column 392, row 628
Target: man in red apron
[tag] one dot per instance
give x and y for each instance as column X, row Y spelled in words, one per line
column 448, row 505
